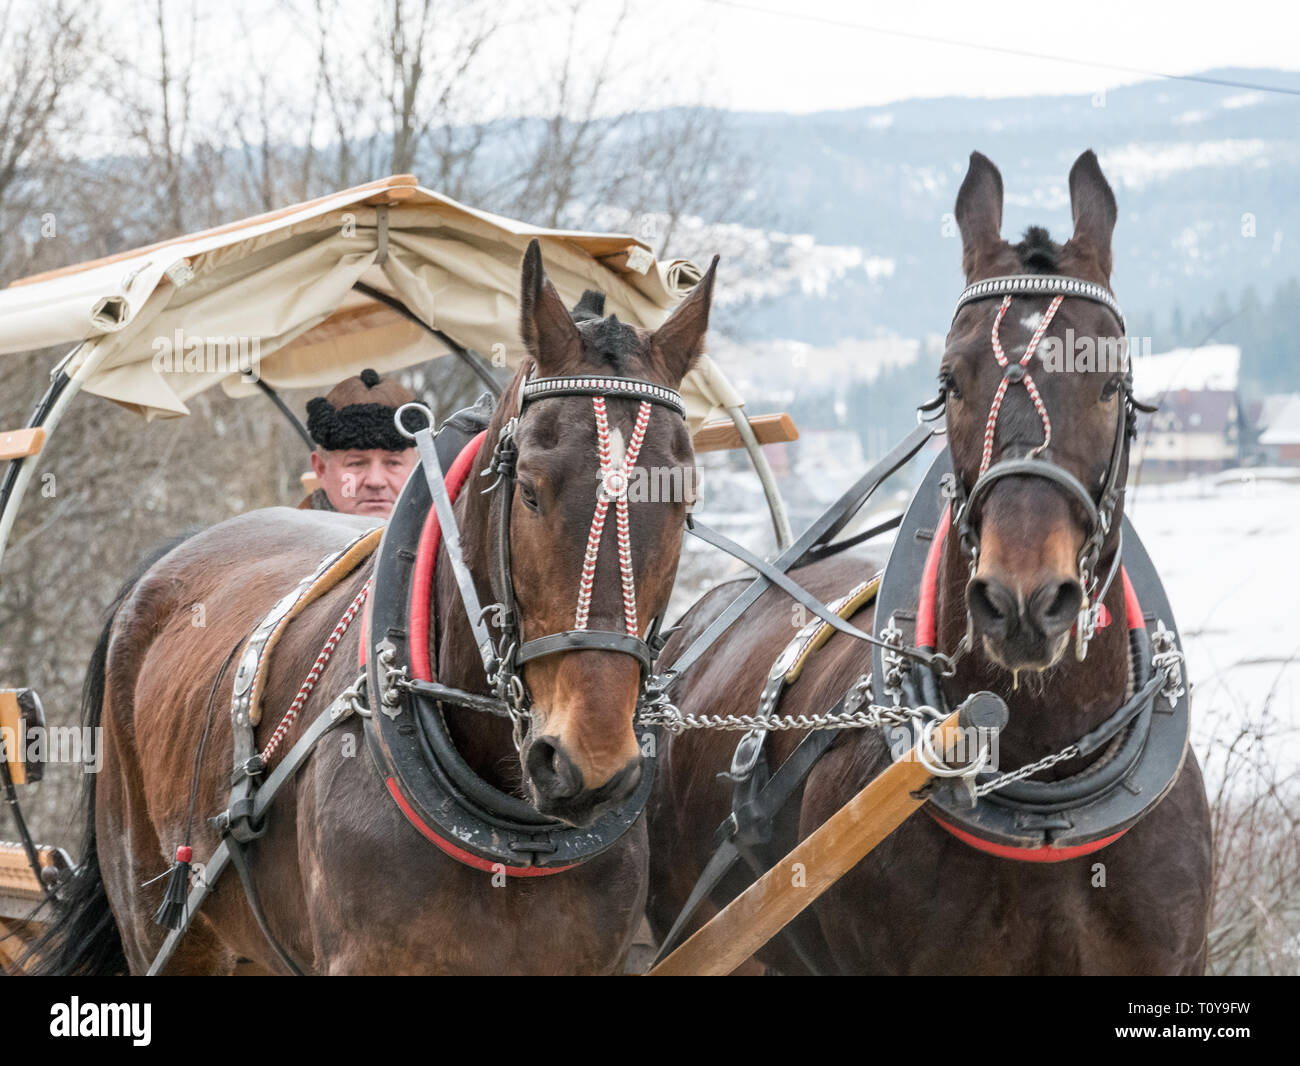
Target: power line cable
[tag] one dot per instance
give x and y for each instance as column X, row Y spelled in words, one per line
column 928, row 38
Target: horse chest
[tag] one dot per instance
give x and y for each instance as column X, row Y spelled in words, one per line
column 389, row 903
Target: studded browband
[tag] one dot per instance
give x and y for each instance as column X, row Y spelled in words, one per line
column 588, row 385
column 1041, row 284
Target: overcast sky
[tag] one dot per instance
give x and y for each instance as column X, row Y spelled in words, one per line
column 807, row 55
column 795, row 55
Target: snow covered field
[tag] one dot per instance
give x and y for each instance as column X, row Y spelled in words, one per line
column 1229, row 556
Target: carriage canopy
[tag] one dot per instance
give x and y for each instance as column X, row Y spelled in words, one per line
column 277, row 292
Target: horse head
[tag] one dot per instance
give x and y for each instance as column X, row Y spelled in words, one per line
column 568, row 571
column 1037, row 545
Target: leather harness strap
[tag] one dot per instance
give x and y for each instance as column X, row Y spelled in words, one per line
column 816, row 634
column 343, row 707
column 240, row 823
column 816, row 537
column 250, row 678
column 239, row 859
column 615, row 480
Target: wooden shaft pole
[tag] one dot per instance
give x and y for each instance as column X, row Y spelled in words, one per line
column 829, row 852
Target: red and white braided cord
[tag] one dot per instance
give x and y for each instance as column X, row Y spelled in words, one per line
column 990, row 427
column 313, row 675
column 614, row 483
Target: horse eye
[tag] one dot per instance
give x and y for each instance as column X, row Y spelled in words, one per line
column 528, row 495
column 948, row 385
column 1109, row 389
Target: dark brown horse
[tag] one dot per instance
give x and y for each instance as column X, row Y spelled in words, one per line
column 924, row 901
column 348, row 885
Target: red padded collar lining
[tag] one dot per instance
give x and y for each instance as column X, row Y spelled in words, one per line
column 925, row 638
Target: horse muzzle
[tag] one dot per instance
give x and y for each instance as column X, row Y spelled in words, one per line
column 1029, row 632
column 559, row 788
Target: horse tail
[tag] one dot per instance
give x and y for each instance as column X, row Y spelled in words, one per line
column 82, row 938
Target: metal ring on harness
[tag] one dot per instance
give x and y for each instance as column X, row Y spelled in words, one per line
column 934, row 762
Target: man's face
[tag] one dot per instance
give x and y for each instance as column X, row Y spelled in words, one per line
column 363, row 482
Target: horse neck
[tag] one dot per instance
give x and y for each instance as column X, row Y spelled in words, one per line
column 1047, row 711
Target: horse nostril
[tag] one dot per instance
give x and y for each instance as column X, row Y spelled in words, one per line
column 992, row 606
column 552, row 771
column 1055, row 605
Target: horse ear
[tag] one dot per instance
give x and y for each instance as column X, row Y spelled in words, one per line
column 680, row 340
column 1093, row 205
column 545, row 325
column 979, row 214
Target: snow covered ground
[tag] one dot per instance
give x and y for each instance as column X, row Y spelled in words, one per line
column 1229, row 556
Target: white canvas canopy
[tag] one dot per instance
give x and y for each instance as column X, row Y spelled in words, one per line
column 279, row 287
column 153, row 327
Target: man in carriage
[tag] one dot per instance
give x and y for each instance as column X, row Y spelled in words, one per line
column 361, row 462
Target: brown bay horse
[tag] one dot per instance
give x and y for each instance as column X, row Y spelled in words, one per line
column 925, row 901
column 347, row 884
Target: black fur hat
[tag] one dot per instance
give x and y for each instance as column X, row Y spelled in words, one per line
column 358, row 414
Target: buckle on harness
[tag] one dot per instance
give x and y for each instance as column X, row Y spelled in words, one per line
column 237, row 820
column 748, row 751
column 251, row 767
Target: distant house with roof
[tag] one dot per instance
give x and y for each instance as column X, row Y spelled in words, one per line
column 1279, row 423
column 1198, row 428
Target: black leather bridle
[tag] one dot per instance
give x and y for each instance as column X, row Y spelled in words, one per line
column 1099, row 511
column 504, row 657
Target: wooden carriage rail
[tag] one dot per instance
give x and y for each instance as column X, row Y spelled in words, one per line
column 722, row 434
column 773, row 901
column 11, row 728
column 20, row 443
column 21, row 898
column 20, row 891
column 21, row 918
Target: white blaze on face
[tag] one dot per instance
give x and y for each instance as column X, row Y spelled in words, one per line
column 617, row 448
column 1030, row 322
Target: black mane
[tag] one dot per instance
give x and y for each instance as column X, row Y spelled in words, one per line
column 607, row 339
column 1038, row 253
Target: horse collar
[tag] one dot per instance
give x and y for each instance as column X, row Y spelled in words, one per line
column 1144, row 743
column 428, row 779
